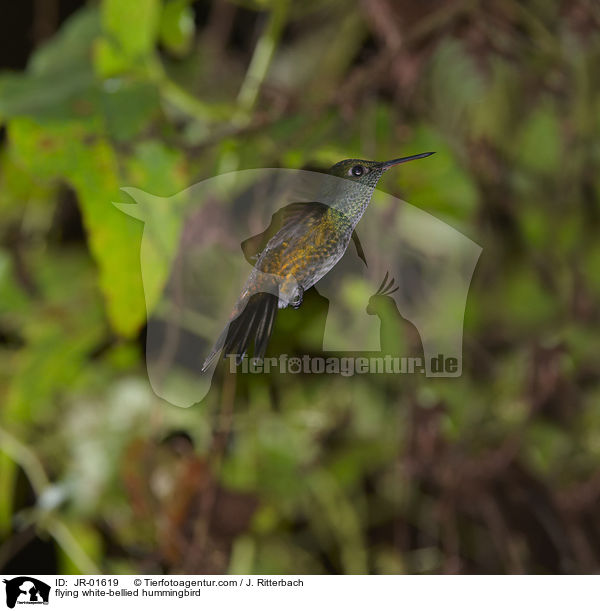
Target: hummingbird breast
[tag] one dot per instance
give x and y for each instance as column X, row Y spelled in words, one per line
column 314, row 248
column 298, row 256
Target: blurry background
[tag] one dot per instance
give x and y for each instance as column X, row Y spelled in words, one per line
column 497, row 471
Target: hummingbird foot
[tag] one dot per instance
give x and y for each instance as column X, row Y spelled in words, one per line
column 290, row 293
column 297, row 298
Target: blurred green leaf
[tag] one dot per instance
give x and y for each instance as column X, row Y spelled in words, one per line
column 439, row 185
column 8, row 473
column 133, row 26
column 59, row 72
column 538, row 145
column 547, row 448
column 81, row 154
column 457, row 86
column 177, row 26
column 129, row 107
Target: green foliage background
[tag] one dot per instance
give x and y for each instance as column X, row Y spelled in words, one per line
column 496, row 471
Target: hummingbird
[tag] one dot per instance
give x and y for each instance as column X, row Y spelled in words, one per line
column 309, row 240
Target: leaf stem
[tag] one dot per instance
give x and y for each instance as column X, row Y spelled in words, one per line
column 260, row 63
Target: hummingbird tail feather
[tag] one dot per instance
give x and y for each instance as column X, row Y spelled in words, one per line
column 254, row 324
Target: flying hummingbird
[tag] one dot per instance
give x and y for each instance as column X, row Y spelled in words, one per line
column 311, row 239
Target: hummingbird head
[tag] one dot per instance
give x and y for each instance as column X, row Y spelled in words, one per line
column 352, row 198
column 368, row 173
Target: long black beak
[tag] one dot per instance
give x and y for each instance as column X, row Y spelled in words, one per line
column 386, row 165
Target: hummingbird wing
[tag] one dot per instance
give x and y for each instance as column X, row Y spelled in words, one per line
column 288, row 222
column 359, row 249
column 285, row 222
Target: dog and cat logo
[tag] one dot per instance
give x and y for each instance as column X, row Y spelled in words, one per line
column 26, row 591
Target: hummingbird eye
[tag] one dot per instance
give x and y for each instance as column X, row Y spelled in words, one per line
column 357, row 170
